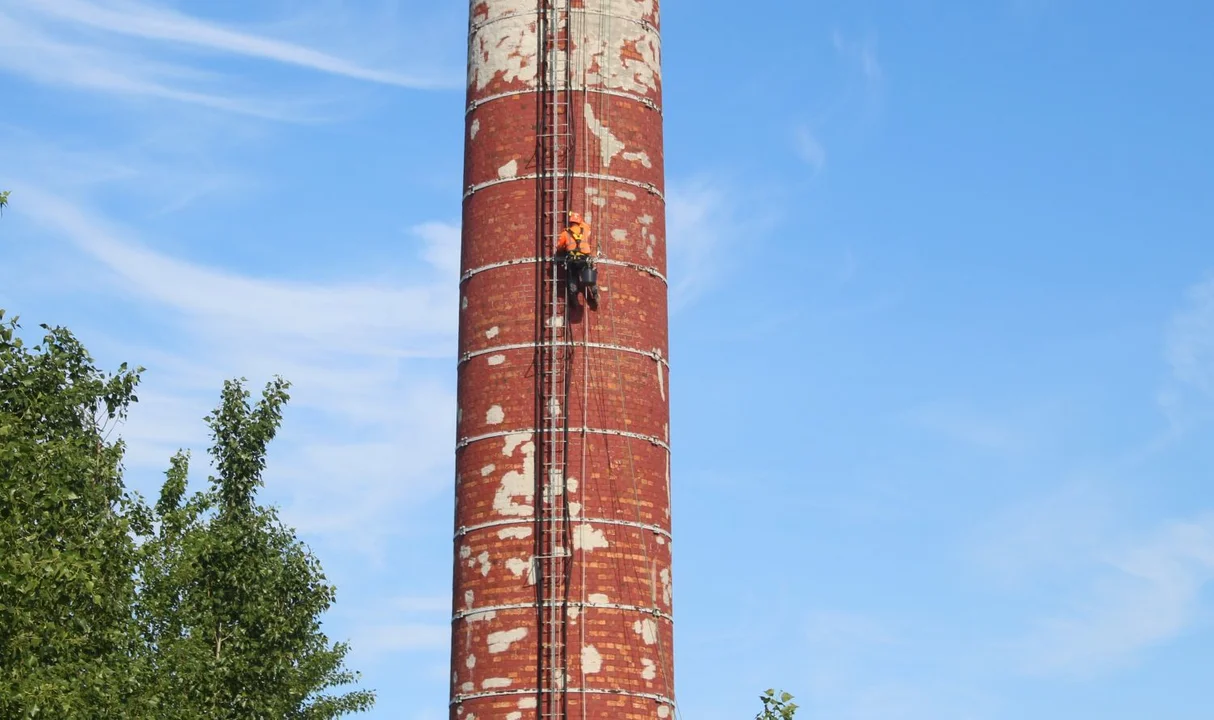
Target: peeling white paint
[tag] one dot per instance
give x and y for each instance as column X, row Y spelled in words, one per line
column 476, row 127
column 661, row 540
column 554, row 407
column 557, row 320
column 645, row 219
column 619, row 234
column 468, row 687
column 495, row 683
column 465, row 552
column 575, row 509
column 468, row 595
column 647, row 629
column 599, row 202
column 505, row 48
column 663, row 711
column 571, row 484
column 517, row 567
column 626, row 57
column 574, row 611
column 499, row 642
column 514, row 716
column 516, row 484
column 666, row 585
column 483, row 559
column 482, row 616
column 640, row 156
column 488, row 470
column 492, row 332
column 508, row 170
column 587, row 538
column 518, row 533
column 513, row 441
column 470, row 662
column 592, row 661
column 650, row 670
column 661, row 381
column 497, row 359
column 598, row 599
column 495, row 416
column 463, row 303
column 609, row 144
column 626, row 194
column 526, row 703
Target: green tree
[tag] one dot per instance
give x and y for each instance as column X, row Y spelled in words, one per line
column 776, row 707
column 67, row 645
column 3, row 200
column 230, row 598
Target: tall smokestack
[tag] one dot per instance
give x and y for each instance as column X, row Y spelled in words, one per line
column 562, row 584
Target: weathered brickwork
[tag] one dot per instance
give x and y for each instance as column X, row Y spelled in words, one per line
column 619, row 613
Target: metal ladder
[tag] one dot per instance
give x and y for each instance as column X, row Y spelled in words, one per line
column 555, row 158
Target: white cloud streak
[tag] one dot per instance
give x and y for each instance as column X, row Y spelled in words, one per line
column 810, row 149
column 368, row 430
column 133, row 49
column 30, row 53
column 1190, row 341
column 356, row 316
column 1147, row 595
column 149, row 22
column 863, row 53
column 699, row 222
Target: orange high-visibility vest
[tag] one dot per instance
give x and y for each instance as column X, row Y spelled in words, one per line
column 576, row 237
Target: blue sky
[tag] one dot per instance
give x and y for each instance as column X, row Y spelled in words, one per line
column 943, row 329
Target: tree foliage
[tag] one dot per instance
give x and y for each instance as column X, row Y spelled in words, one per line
column 230, row 597
column 213, row 613
column 66, row 558
column 775, row 707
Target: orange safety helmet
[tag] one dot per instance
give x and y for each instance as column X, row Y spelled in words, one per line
column 575, row 218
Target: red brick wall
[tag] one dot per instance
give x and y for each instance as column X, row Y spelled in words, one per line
column 619, row 619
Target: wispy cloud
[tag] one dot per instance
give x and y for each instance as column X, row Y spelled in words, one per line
column 370, row 428
column 151, row 22
column 700, row 221
column 810, row 148
column 33, row 54
column 134, row 49
column 860, row 669
column 862, row 53
column 962, row 423
column 1189, row 350
column 1147, row 594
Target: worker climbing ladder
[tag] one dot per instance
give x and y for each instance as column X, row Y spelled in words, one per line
column 555, row 155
